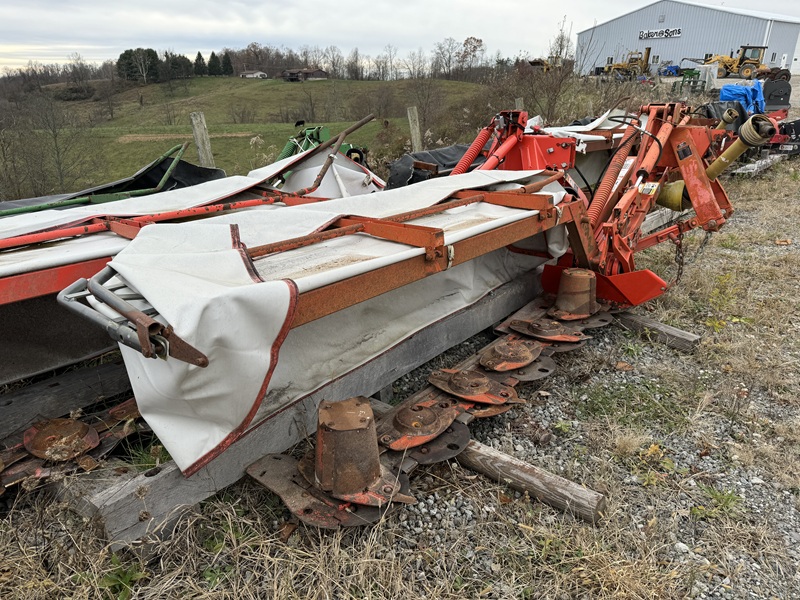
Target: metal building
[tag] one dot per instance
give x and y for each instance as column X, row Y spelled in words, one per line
column 675, row 29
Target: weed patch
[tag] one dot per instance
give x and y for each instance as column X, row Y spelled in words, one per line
column 642, row 403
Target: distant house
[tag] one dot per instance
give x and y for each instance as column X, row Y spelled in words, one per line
column 253, row 75
column 303, row 74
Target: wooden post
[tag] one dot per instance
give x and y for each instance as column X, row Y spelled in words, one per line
column 539, row 484
column 519, row 104
column 201, row 139
column 413, row 123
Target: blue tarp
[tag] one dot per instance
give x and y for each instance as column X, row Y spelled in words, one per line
column 749, row 93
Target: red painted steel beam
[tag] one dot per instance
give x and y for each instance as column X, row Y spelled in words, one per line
column 47, row 281
column 328, row 299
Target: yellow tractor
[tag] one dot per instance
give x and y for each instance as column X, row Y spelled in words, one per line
column 635, row 64
column 746, row 64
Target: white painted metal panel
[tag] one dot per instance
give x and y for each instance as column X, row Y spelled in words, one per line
column 703, row 30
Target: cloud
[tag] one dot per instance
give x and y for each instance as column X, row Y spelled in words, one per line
column 50, row 30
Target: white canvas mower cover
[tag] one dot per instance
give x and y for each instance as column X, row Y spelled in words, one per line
column 198, row 278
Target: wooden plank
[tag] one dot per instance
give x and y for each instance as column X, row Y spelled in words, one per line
column 653, row 330
column 542, row 485
column 58, row 396
column 132, row 506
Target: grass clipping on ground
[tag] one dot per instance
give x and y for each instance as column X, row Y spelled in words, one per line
column 734, row 402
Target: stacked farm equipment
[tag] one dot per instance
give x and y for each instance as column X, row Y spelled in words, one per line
column 517, row 188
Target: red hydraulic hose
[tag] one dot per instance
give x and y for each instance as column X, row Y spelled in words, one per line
column 473, row 151
column 603, row 192
column 499, row 154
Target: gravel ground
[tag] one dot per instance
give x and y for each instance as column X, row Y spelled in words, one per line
column 659, row 475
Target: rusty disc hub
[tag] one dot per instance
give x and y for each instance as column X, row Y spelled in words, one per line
column 510, row 354
column 548, row 330
column 417, row 419
column 473, row 386
column 60, row 439
column 469, row 383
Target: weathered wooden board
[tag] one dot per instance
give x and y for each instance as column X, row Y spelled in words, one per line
column 666, row 334
column 57, row 397
column 542, row 485
column 130, row 507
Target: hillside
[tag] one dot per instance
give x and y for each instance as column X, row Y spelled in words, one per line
column 249, row 120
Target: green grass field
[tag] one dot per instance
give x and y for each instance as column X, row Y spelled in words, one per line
column 148, row 120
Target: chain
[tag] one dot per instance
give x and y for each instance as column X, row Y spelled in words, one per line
column 680, row 258
column 701, row 247
column 680, row 254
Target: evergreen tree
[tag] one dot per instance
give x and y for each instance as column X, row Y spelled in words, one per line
column 227, row 65
column 141, row 64
column 125, row 67
column 200, row 67
column 214, row 65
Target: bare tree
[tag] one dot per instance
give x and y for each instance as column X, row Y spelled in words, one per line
column 428, row 98
column 254, row 57
column 354, row 68
column 380, row 67
column 145, row 61
column 334, row 61
column 391, row 54
column 444, row 57
column 587, row 54
column 106, row 91
column 12, row 173
column 416, row 64
column 550, row 90
column 43, row 149
column 79, row 71
column 316, row 58
column 108, row 70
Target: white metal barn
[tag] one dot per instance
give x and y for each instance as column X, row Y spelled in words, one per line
column 676, row 29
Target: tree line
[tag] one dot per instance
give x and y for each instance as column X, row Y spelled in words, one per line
column 144, row 65
column 448, row 59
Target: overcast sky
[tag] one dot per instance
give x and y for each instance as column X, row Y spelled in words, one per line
column 49, row 30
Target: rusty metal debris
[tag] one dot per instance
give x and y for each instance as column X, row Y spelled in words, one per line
column 59, row 440
column 64, row 445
